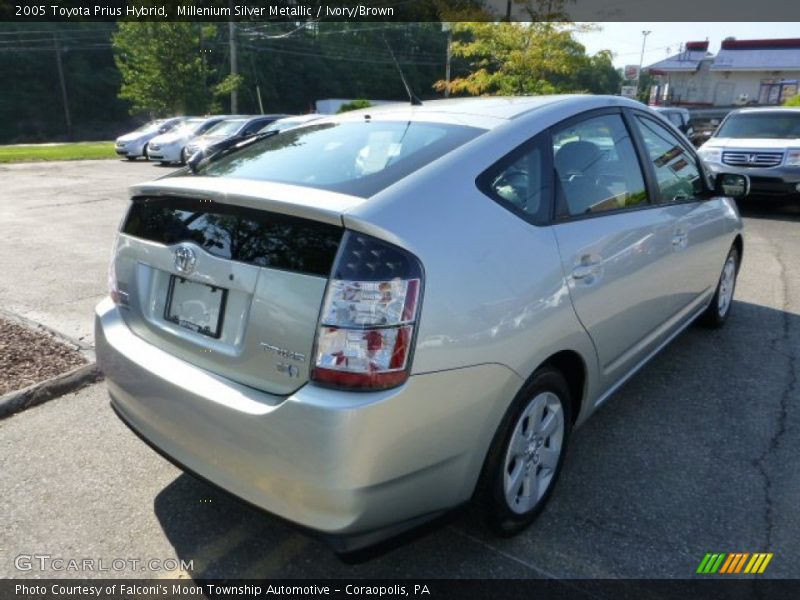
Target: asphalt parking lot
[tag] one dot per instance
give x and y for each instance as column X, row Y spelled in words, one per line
column 696, row 454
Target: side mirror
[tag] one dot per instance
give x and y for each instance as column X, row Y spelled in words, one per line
column 732, row 184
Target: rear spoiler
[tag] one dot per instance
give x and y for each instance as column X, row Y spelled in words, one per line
column 297, row 201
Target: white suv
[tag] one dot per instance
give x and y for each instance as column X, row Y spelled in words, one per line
column 763, row 143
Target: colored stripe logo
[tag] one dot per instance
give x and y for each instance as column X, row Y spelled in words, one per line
column 734, row 562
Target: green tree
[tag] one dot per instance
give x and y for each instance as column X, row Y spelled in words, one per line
column 33, row 102
column 646, row 81
column 793, row 101
column 598, row 75
column 354, row 105
column 166, row 68
column 522, row 59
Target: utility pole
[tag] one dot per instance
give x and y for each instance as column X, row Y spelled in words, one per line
column 258, row 93
column 234, row 65
column 641, row 59
column 64, row 100
column 446, row 27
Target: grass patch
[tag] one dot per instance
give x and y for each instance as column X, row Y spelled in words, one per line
column 37, row 152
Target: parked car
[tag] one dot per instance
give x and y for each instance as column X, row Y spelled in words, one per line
column 228, row 130
column 361, row 323
column 289, row 122
column 763, row 143
column 170, row 147
column 133, row 145
column 681, row 118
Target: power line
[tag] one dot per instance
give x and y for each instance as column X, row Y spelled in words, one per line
column 329, row 56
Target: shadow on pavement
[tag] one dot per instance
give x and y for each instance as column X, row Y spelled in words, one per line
column 771, row 208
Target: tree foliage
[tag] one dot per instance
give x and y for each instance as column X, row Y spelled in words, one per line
column 117, row 75
column 165, row 67
column 527, row 58
column 793, row 101
column 354, row 105
column 31, row 99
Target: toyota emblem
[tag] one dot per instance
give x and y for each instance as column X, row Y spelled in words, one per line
column 185, row 259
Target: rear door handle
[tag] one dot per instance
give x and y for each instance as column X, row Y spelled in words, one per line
column 679, row 240
column 586, row 269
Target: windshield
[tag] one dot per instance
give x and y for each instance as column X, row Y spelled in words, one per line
column 147, row 127
column 358, row 158
column 784, row 125
column 281, row 124
column 190, row 125
column 228, row 127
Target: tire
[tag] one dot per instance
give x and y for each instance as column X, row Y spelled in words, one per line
column 717, row 312
column 184, row 158
column 144, row 152
column 519, row 458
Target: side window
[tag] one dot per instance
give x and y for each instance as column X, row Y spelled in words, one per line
column 518, row 181
column 253, row 127
column 675, row 167
column 596, row 166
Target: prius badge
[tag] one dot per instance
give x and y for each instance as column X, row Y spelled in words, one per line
column 185, row 259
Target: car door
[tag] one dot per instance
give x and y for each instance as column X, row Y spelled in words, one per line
column 684, row 198
column 615, row 245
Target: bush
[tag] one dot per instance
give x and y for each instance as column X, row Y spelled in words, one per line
column 354, row 105
column 793, row 101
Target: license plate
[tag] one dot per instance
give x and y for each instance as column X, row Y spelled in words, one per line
column 196, row 306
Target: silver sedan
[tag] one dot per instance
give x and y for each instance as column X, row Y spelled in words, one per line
column 366, row 321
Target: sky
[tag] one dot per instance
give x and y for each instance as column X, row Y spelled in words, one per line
column 625, row 39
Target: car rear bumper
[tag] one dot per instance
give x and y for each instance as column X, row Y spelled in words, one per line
column 340, row 463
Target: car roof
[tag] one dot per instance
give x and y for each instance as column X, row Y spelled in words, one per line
column 274, row 117
column 486, row 112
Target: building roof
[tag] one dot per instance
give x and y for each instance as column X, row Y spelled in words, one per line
column 688, row 60
column 758, row 55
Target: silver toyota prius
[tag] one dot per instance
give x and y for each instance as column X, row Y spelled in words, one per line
column 363, row 322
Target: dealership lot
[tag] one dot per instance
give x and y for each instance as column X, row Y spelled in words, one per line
column 697, row 453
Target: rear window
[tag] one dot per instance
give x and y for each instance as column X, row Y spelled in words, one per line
column 357, row 158
column 242, row 234
column 761, row 125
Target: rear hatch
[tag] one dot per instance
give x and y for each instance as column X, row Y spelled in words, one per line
column 230, row 282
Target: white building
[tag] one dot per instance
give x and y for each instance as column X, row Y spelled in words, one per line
column 764, row 72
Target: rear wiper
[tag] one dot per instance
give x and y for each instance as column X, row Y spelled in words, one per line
column 224, row 148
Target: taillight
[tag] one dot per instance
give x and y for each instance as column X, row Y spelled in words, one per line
column 116, row 289
column 113, row 286
column 367, row 322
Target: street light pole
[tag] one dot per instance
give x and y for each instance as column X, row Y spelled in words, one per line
column 641, row 58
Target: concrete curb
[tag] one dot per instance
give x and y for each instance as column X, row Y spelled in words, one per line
column 49, row 389
column 85, row 349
